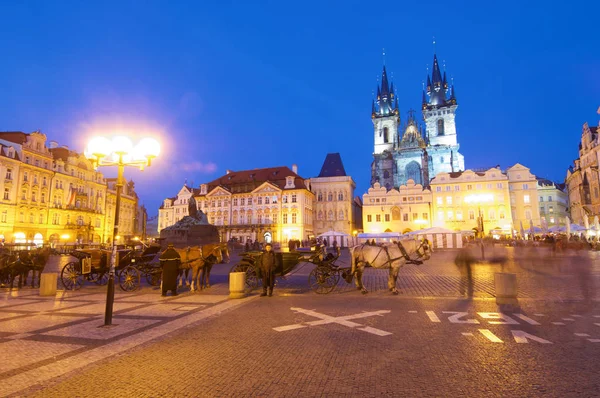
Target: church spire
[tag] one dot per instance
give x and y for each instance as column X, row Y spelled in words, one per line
column 387, row 104
column 438, row 88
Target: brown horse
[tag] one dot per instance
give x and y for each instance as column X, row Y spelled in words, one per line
column 206, row 249
column 197, row 258
column 390, row 255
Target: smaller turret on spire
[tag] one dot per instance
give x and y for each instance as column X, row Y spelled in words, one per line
column 387, row 103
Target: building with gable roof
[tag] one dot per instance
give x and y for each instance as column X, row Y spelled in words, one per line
column 269, row 204
column 554, row 203
column 335, row 208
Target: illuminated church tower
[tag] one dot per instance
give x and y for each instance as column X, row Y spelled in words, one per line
column 415, row 154
column 439, row 112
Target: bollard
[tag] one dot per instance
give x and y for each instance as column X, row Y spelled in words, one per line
column 48, row 284
column 506, row 288
column 237, row 285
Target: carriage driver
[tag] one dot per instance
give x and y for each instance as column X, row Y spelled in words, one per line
column 169, row 262
column 268, row 264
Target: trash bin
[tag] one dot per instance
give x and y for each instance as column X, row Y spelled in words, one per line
column 237, row 285
column 506, row 288
column 48, row 283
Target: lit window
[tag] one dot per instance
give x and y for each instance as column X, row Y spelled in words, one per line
column 471, row 215
column 293, row 198
column 378, row 217
column 440, row 215
column 293, row 218
column 405, row 217
column 450, row 215
column 369, row 218
column 285, row 218
column 526, row 198
column 440, row 201
column 448, row 200
column 387, row 218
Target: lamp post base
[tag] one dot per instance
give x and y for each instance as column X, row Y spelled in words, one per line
column 110, row 298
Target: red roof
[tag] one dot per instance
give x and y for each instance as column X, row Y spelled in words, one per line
column 248, row 180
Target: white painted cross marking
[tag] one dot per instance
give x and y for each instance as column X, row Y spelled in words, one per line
column 524, row 337
column 341, row 320
column 457, row 315
column 432, row 316
column 527, row 319
column 491, row 336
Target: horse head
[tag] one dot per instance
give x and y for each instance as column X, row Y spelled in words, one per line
column 225, row 253
column 424, row 249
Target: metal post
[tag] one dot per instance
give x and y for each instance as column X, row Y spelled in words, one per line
column 110, row 291
column 481, row 233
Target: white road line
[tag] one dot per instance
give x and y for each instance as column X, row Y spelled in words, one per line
column 467, row 334
column 524, row 337
column 596, row 316
column 539, row 314
column 432, row 316
column 594, row 340
column 581, row 334
column 412, row 312
column 558, row 323
column 597, row 324
column 491, row 336
column 568, row 319
column 377, row 332
column 289, row 327
column 526, row 319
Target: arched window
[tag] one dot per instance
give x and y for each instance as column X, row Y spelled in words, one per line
column 329, row 197
column 320, row 215
column 440, row 126
column 395, row 214
column 341, row 216
column 320, row 197
column 385, row 135
column 340, row 196
column 330, row 215
column 413, row 172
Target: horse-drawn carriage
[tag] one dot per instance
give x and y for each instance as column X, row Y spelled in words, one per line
column 325, row 276
column 93, row 265
column 322, row 279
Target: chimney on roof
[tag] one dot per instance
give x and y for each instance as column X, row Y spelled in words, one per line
column 295, row 168
column 228, row 171
column 53, row 144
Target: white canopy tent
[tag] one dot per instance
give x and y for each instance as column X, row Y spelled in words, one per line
column 341, row 238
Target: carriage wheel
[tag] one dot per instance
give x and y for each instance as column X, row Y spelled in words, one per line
column 99, row 278
column 323, row 280
column 129, row 278
column 153, row 277
column 252, row 280
column 70, row 277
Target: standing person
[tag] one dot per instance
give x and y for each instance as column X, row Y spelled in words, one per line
column 169, row 262
column 268, row 264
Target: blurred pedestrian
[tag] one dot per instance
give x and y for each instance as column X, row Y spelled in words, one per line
column 169, row 262
column 463, row 261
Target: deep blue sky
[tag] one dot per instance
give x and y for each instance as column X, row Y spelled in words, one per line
column 249, row 84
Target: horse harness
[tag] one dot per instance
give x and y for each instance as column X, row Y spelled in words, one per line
column 404, row 254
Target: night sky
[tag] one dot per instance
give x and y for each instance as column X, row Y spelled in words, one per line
column 250, row 84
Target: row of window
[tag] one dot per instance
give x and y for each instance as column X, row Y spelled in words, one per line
column 396, row 217
column 330, row 215
column 499, row 185
column 330, row 196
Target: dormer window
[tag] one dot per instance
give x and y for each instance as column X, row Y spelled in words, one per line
column 203, row 189
column 289, row 182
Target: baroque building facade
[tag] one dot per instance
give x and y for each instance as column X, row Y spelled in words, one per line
column 50, row 193
column 583, row 178
column 554, row 203
column 415, row 154
column 267, row 205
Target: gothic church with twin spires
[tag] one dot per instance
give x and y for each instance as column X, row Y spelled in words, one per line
column 404, row 152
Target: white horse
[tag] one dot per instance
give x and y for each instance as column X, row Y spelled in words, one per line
column 390, row 255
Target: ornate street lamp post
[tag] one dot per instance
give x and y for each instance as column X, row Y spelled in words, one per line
column 119, row 152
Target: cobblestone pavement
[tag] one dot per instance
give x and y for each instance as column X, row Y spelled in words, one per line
column 211, row 351
column 305, row 346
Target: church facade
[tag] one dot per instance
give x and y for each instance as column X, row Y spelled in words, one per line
column 405, row 152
